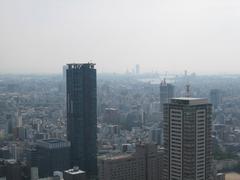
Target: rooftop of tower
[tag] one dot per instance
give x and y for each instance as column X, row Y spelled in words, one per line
column 79, row 65
column 189, row 101
column 75, row 170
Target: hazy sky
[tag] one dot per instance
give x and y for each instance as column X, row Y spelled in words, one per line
column 165, row 35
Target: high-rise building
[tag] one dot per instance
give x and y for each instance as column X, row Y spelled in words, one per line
column 220, row 176
column 144, row 164
column 64, row 72
column 215, row 97
column 62, row 86
column 18, row 119
column 166, row 93
column 50, row 155
column 187, row 139
column 156, row 135
column 14, row 170
column 82, row 116
column 111, row 116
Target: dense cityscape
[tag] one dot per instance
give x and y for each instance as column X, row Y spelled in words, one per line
column 119, row 90
column 83, row 125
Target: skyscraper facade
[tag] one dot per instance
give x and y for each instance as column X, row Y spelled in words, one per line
column 82, row 116
column 187, row 139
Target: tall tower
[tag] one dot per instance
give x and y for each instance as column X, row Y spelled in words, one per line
column 166, row 93
column 64, row 71
column 82, row 116
column 215, row 97
column 187, row 139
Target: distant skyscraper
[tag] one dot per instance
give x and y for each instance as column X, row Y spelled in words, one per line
column 137, row 69
column 82, row 116
column 187, row 139
column 64, row 72
column 156, row 136
column 19, row 119
column 215, row 97
column 166, row 93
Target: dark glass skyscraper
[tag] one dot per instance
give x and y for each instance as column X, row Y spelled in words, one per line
column 82, row 116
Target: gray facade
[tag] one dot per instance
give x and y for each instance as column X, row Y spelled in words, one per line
column 82, row 116
column 144, row 164
column 187, row 139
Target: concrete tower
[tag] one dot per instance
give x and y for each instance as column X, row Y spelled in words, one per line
column 187, row 139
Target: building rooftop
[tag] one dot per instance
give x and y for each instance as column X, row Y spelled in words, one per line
column 75, row 170
column 115, row 157
column 79, row 65
column 53, row 143
column 189, row 101
column 11, row 161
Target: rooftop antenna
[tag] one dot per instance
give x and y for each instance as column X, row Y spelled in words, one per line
column 163, row 82
column 188, row 86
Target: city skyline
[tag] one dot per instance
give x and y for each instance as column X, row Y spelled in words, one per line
column 119, row 90
column 118, row 119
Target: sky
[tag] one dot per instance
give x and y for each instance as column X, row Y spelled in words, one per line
column 40, row 36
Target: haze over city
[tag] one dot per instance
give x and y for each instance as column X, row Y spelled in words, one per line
column 119, row 90
column 41, row 36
